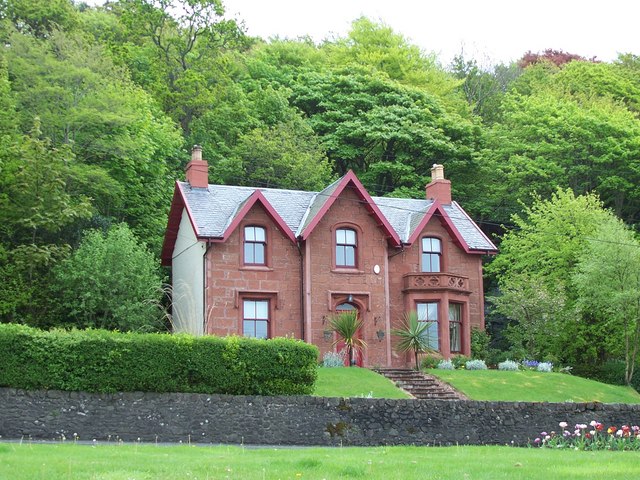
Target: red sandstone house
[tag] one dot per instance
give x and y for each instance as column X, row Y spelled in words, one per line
column 265, row 263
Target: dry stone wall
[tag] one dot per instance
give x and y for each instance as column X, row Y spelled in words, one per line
column 199, row 418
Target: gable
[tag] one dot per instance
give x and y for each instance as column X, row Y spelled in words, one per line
column 325, row 199
column 214, row 212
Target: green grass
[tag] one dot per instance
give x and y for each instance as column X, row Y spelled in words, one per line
column 529, row 386
column 355, row 382
column 149, row 462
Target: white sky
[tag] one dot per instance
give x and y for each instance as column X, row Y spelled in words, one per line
column 489, row 30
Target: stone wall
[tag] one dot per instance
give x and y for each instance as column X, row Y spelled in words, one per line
column 50, row 415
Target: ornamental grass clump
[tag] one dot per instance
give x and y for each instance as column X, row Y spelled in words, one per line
column 475, row 365
column 591, row 437
column 509, row 366
column 445, row 365
column 545, row 367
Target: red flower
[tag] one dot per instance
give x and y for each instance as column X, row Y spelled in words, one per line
column 611, row 430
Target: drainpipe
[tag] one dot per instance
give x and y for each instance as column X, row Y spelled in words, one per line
column 302, row 291
column 206, row 287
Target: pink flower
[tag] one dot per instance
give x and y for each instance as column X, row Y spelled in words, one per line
column 593, row 423
column 563, row 424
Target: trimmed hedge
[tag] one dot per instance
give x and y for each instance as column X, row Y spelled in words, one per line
column 105, row 362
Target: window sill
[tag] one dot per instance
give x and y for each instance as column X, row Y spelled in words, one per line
column 256, row 268
column 353, row 271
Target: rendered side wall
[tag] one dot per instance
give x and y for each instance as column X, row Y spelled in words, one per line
column 198, row 418
column 187, row 276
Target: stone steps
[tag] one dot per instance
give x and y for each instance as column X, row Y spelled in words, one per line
column 420, row 385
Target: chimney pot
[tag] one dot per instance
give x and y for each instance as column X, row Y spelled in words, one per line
column 437, row 172
column 439, row 188
column 197, row 170
column 196, row 153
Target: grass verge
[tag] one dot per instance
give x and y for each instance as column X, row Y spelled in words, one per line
column 529, row 386
column 354, row 382
column 147, row 462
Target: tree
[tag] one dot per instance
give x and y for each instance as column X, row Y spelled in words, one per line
column 39, row 18
column 413, row 336
column 125, row 149
column 537, row 260
column 347, row 326
column 36, row 204
column 573, row 127
column 607, row 278
column 536, row 312
column 287, row 155
column 173, row 51
column 111, row 281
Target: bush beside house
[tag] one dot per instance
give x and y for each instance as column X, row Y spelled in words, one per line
column 103, row 362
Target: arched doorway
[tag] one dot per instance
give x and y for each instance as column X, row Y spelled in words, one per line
column 347, row 307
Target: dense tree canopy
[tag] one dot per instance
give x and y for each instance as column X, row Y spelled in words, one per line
column 99, row 105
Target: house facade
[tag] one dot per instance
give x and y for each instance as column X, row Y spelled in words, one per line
column 266, row 262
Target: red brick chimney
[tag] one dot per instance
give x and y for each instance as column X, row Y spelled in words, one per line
column 439, row 188
column 197, row 170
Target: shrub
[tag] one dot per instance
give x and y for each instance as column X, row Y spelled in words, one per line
column 480, row 340
column 475, row 365
column 459, row 361
column 545, row 367
column 445, row 365
column 509, row 365
column 105, row 362
column 530, row 364
column 111, row 281
column 428, row 362
column 334, row 359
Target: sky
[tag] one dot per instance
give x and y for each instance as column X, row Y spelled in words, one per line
column 491, row 31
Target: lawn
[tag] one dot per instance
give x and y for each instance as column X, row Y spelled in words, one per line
column 355, row 382
column 147, row 462
column 530, row 386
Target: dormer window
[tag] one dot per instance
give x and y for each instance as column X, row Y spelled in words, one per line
column 346, row 247
column 255, row 245
column 431, row 254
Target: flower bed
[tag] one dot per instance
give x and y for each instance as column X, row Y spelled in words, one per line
column 591, row 437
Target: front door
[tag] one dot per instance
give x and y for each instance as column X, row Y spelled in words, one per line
column 357, row 353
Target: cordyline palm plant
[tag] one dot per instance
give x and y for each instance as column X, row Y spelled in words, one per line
column 347, row 325
column 413, row 335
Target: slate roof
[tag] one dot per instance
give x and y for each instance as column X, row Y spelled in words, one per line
column 215, row 208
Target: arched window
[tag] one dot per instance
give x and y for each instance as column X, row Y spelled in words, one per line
column 346, row 247
column 255, row 246
column 431, row 254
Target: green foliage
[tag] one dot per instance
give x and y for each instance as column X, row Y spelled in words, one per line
column 413, row 336
column 535, row 271
column 106, row 362
column 573, row 127
column 348, row 327
column 607, row 278
column 480, row 340
column 428, row 362
column 40, row 18
column 111, row 281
